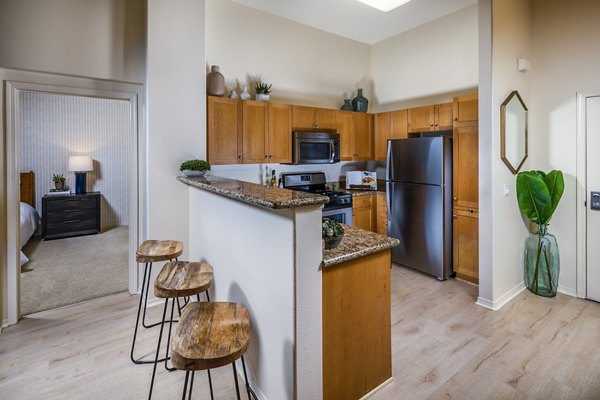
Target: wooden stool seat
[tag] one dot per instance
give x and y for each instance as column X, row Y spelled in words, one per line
column 158, row 250
column 183, row 279
column 210, row 335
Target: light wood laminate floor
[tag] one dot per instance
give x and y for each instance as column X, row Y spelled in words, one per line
column 444, row 347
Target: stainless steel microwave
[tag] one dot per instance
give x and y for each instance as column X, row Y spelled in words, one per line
column 310, row 147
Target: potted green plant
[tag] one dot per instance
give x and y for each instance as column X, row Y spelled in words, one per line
column 262, row 91
column 332, row 233
column 59, row 181
column 195, row 167
column 538, row 195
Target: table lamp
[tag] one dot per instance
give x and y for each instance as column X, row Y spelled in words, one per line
column 80, row 165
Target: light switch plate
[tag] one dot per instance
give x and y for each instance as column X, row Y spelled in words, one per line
column 506, row 190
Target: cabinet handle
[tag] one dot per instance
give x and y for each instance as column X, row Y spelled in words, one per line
column 239, row 157
column 455, row 119
column 270, row 156
column 470, row 210
column 436, row 124
column 454, row 215
column 72, row 222
column 454, row 198
column 71, row 210
column 266, row 156
column 431, row 125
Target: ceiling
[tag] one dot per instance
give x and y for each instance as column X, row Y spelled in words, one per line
column 355, row 20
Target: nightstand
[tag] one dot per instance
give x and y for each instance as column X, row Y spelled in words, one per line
column 70, row 215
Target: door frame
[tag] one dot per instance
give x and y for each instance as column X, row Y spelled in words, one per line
column 132, row 92
column 581, row 195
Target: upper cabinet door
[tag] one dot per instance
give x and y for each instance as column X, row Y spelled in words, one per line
column 224, row 133
column 465, row 184
column 303, row 117
column 421, row 119
column 383, row 132
column 399, row 120
column 466, row 110
column 280, row 133
column 255, row 123
column 363, row 136
column 344, row 125
column 443, row 117
column 325, row 118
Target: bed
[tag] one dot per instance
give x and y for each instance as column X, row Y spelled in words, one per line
column 30, row 218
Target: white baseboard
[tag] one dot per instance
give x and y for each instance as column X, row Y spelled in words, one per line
column 155, row 301
column 503, row 300
column 567, row 291
column 3, row 324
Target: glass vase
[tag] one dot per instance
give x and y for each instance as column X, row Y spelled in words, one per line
column 542, row 263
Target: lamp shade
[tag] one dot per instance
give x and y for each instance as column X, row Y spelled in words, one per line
column 80, row 164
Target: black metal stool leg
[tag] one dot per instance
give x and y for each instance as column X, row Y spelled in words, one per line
column 137, row 319
column 207, row 296
column 237, row 386
column 149, row 269
column 212, row 397
column 169, row 338
column 248, row 388
column 187, row 374
column 162, row 325
column 191, row 384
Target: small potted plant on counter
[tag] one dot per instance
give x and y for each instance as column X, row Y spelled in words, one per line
column 59, row 182
column 332, row 233
column 262, row 91
column 195, row 167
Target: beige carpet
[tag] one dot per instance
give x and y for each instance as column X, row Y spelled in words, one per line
column 71, row 270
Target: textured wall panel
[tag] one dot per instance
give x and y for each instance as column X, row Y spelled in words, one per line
column 52, row 127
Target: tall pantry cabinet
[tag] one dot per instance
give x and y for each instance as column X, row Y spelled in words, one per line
column 466, row 188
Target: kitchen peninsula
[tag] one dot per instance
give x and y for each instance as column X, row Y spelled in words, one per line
column 320, row 320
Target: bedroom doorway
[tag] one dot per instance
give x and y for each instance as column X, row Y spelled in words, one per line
column 85, row 244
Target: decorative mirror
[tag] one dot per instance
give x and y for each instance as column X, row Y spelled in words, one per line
column 513, row 132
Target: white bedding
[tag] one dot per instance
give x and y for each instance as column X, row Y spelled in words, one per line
column 30, row 220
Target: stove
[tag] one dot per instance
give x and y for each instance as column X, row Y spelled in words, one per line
column 340, row 203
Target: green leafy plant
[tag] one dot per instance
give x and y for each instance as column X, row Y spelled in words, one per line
column 538, row 195
column 331, row 228
column 262, row 88
column 58, row 178
column 195, row 165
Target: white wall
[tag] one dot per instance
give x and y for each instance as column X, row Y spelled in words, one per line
column 176, row 97
column 434, row 61
column 502, row 230
column 95, row 38
column 305, row 65
column 565, row 60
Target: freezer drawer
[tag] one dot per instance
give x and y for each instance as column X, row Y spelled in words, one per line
column 416, row 218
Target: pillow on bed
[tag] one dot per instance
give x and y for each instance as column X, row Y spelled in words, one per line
column 30, row 220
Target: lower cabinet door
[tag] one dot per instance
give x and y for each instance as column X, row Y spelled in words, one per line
column 466, row 244
column 362, row 218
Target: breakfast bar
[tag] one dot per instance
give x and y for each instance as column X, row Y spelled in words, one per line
column 320, row 319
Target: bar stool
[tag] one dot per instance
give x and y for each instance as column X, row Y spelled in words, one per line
column 208, row 336
column 148, row 252
column 179, row 279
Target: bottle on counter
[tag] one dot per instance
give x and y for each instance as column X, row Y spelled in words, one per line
column 267, row 179
column 273, row 179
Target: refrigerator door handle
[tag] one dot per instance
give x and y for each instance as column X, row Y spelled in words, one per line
column 388, row 161
column 388, row 195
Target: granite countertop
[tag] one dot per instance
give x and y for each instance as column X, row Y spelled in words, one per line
column 253, row 193
column 357, row 243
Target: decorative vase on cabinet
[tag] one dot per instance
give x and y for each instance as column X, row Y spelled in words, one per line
column 360, row 103
column 215, row 82
column 347, row 106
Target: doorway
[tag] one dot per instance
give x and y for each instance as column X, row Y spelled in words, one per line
column 88, row 90
column 588, row 195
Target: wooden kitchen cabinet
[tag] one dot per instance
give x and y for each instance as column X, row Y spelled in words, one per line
column 344, row 124
column 466, row 188
column 313, row 118
column 466, row 244
column 255, row 122
column 363, row 215
column 362, row 136
column 279, row 135
column 466, row 110
column 388, row 125
column 224, row 131
column 381, row 213
column 430, row 118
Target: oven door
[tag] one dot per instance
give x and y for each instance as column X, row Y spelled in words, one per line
column 343, row 215
column 314, row 151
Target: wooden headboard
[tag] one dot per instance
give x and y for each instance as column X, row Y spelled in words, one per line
column 28, row 188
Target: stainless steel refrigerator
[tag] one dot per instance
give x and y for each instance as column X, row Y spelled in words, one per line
column 419, row 200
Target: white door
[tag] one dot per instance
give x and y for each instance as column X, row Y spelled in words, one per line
column 593, row 197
